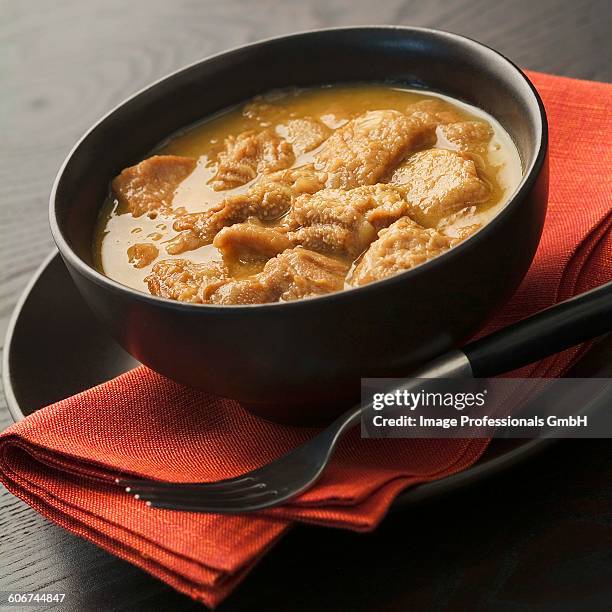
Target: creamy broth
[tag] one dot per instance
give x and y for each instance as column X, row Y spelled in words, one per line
column 118, row 230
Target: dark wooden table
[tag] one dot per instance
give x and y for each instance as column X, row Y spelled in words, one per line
column 538, row 538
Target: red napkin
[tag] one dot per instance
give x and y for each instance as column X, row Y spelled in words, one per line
column 63, row 459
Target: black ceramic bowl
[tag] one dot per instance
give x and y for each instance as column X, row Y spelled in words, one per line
column 302, row 360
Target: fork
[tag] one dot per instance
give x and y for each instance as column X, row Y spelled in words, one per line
column 550, row 331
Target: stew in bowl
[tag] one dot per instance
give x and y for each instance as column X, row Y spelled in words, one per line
column 303, row 192
column 273, row 223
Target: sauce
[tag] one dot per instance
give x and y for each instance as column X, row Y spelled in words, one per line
column 117, row 230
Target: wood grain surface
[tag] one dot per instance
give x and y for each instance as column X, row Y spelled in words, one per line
column 539, row 538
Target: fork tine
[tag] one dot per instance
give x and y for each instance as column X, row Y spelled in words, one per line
column 211, row 498
column 203, row 493
column 213, row 503
column 220, row 485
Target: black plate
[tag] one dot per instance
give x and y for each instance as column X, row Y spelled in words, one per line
column 55, row 348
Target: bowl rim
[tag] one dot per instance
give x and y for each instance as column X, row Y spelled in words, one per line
column 529, row 176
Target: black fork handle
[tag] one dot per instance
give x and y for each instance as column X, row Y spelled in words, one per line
column 550, row 331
